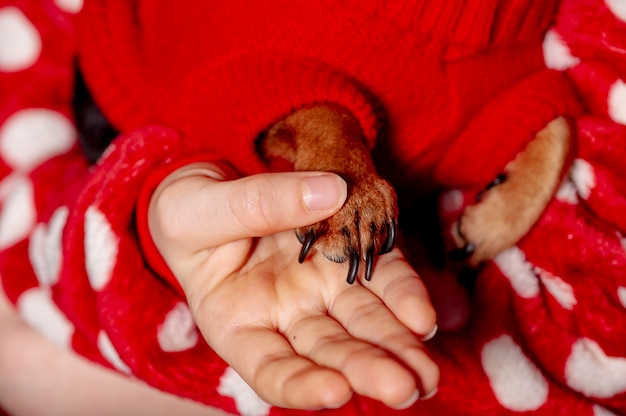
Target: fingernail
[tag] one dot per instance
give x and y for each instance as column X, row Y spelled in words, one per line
column 431, row 334
column 430, row 394
column 324, row 192
column 409, row 402
column 336, row 405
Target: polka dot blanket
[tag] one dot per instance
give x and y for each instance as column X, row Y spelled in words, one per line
column 546, row 334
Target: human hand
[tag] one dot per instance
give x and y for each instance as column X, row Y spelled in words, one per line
column 297, row 333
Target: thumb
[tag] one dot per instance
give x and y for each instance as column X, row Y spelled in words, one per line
column 198, row 211
column 269, row 203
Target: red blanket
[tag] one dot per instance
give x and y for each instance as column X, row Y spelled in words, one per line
column 463, row 86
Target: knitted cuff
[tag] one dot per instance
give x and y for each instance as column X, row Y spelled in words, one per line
column 504, row 127
column 269, row 87
column 231, row 99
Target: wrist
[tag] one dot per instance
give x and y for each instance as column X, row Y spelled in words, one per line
column 157, row 181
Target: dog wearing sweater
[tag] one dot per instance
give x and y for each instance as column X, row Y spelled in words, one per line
column 307, row 85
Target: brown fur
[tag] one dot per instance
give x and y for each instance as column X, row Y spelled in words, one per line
column 328, row 138
column 508, row 210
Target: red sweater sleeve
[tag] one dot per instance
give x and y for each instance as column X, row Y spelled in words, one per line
column 154, row 178
column 83, row 276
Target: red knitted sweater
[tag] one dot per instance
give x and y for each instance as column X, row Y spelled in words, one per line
column 222, row 73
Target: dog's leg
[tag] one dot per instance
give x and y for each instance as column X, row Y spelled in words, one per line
column 515, row 200
column 329, row 138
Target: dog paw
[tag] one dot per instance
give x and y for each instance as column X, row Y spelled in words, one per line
column 364, row 227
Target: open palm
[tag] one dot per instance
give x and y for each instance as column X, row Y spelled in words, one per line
column 297, row 333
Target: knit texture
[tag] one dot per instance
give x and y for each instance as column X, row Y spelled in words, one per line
column 447, row 93
column 422, row 70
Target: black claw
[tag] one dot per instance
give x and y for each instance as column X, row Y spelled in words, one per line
column 391, row 238
column 354, row 266
column 462, row 253
column 497, row 181
column 369, row 263
column 307, row 243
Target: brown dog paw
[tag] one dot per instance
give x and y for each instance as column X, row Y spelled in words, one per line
column 513, row 202
column 364, row 227
column 329, row 138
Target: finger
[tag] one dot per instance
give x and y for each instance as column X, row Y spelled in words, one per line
column 365, row 317
column 399, row 287
column 268, row 363
column 370, row 370
column 204, row 212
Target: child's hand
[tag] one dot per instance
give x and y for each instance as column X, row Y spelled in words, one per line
column 297, row 333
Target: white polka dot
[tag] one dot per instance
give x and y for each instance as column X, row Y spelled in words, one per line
column 246, row 400
column 617, row 101
column 69, row 6
column 101, row 248
column 602, row 411
column 512, row 262
column 178, row 331
column 20, row 43
column 37, row 308
column 44, row 248
column 452, row 201
column 583, row 177
column 618, row 8
column 515, row 380
column 556, row 53
column 590, row 371
column 622, row 240
column 32, row 136
column 621, row 294
column 110, row 354
column 17, row 211
column 567, row 193
column 562, row 292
